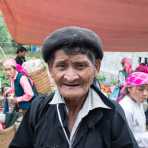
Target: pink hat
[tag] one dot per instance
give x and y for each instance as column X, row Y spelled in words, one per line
column 136, row 79
column 126, row 60
column 133, row 79
column 9, row 62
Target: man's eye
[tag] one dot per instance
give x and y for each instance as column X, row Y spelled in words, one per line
column 80, row 66
column 60, row 66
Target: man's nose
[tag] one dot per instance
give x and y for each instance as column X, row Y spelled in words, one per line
column 71, row 75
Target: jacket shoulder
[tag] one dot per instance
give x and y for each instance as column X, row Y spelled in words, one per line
column 38, row 106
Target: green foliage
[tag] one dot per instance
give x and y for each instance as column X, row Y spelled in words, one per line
column 106, row 79
column 4, row 80
column 113, row 82
column 4, row 35
column 101, row 78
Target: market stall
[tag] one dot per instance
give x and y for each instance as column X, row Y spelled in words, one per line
column 121, row 24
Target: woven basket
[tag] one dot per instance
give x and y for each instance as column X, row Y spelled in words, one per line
column 6, row 136
column 42, row 81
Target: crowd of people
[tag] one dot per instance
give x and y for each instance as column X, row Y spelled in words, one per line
column 131, row 92
column 77, row 114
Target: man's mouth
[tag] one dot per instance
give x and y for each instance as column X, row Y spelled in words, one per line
column 71, row 85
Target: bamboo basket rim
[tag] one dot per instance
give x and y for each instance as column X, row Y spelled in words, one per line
column 37, row 71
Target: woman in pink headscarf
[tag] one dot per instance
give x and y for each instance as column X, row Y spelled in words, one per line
column 21, row 85
column 136, row 91
column 143, row 67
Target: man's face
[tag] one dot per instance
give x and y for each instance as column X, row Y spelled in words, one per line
column 73, row 74
column 139, row 93
column 10, row 71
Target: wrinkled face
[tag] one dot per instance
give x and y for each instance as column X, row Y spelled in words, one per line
column 10, row 71
column 139, row 93
column 73, row 74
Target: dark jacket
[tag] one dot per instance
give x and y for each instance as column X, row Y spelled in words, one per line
column 19, row 91
column 20, row 60
column 101, row 128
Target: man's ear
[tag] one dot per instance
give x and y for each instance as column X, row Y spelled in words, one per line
column 50, row 68
column 98, row 64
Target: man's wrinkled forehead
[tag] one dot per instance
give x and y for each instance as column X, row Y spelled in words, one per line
column 60, row 55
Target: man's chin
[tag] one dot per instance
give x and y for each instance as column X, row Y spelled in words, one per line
column 74, row 95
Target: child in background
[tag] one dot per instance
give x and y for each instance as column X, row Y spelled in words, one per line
column 136, row 91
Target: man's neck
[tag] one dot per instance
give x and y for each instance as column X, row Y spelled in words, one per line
column 74, row 106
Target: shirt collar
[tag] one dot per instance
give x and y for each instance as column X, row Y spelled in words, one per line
column 57, row 99
column 92, row 101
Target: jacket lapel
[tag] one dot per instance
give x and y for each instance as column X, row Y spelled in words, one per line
column 89, row 122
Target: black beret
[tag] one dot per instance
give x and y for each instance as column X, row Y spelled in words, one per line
column 72, row 36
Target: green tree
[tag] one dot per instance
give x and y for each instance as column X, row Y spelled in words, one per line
column 4, row 35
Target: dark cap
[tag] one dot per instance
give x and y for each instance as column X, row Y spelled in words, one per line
column 72, row 37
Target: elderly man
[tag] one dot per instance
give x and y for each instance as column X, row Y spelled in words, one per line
column 77, row 114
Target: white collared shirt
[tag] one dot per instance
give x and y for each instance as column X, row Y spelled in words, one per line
column 92, row 101
column 136, row 119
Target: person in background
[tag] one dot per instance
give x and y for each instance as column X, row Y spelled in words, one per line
column 21, row 85
column 21, row 52
column 76, row 114
column 126, row 70
column 136, row 91
column 143, row 67
column 116, row 93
